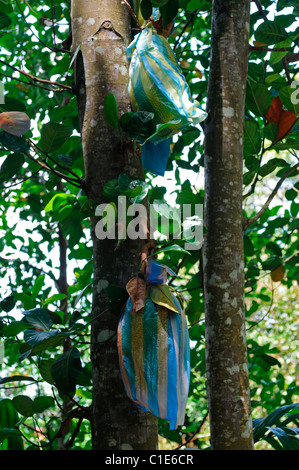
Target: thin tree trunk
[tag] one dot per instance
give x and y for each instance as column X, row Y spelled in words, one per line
column 226, row 351
column 102, row 29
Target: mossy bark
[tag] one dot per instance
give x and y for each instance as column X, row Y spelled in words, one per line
column 102, row 30
column 226, row 351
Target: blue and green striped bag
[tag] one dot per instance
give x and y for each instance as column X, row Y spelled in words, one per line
column 157, row 85
column 154, row 353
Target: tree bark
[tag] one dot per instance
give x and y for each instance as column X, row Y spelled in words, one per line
column 226, row 351
column 102, row 29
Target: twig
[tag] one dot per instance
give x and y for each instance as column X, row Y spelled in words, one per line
column 75, row 433
column 31, row 83
column 260, row 9
column 253, row 185
column 292, row 57
column 63, row 167
column 253, row 219
column 53, row 49
column 192, row 16
column 269, row 49
column 283, row 61
column 266, row 314
column 195, row 432
column 30, row 266
column 40, row 80
column 51, row 170
column 124, row 2
column 22, row 181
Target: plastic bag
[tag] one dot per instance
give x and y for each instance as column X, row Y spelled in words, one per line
column 153, row 347
column 157, row 85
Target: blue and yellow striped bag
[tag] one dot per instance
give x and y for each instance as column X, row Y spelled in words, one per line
column 153, row 347
column 157, row 85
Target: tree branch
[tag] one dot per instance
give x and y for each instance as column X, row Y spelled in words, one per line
column 283, row 61
column 192, row 16
column 269, row 49
column 253, row 219
column 63, row 167
column 53, row 49
column 292, row 58
column 29, row 266
column 51, row 170
column 260, row 9
column 40, row 80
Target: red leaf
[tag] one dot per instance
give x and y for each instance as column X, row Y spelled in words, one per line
column 286, row 121
column 275, row 109
column 282, row 118
column 136, row 289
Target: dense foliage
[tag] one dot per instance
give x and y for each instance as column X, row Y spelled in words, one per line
column 43, row 204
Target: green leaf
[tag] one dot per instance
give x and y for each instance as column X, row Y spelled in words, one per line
column 81, row 293
column 11, row 166
column 111, row 190
column 272, row 77
column 271, row 165
column 54, row 298
column 14, row 143
column 5, row 21
column 133, row 188
column 7, row 433
column 146, row 8
column 12, row 104
column 288, row 144
column 276, row 57
column 258, row 98
column 66, row 369
column 8, row 419
column 261, row 425
column 53, row 136
column 287, row 442
column 289, row 96
column 110, row 110
column 42, row 403
column 38, row 318
column 37, row 286
column 56, row 201
column 8, row 415
column 187, row 196
column 169, row 248
column 17, row 378
column 14, row 328
column 252, row 138
column 51, row 342
column 8, row 303
column 271, row 131
column 169, row 12
column 45, row 370
column 34, row 337
column 139, row 125
column 202, row 5
column 269, row 32
column 24, row 405
column 162, row 295
column 65, row 159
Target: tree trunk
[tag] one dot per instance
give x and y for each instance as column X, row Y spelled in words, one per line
column 102, row 28
column 226, row 351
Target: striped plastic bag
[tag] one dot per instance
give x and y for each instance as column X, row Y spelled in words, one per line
column 153, row 347
column 157, row 85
